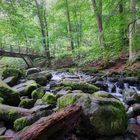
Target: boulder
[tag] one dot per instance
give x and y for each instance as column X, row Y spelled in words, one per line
column 38, row 93
column 130, row 96
column 27, row 103
column 11, row 81
column 2, row 130
column 85, row 87
column 8, row 72
column 32, row 71
column 102, row 116
column 8, row 95
column 25, row 89
column 41, row 78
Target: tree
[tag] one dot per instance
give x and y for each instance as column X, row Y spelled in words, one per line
column 132, row 29
column 98, row 13
column 41, row 13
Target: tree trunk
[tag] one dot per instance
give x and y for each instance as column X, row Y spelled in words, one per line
column 52, row 127
column 69, row 28
column 43, row 31
column 98, row 12
column 122, row 32
column 132, row 29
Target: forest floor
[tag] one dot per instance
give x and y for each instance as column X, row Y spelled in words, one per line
column 119, row 65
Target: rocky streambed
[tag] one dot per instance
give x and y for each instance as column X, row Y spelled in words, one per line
column 110, row 103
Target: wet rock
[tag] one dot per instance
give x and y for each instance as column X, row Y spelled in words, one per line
column 130, row 112
column 62, row 92
column 32, row 71
column 27, row 103
column 129, row 96
column 39, row 102
column 132, row 121
column 2, row 130
column 136, row 109
column 24, row 97
column 131, row 80
column 11, row 81
column 85, row 87
column 135, row 130
column 102, row 85
column 25, row 89
column 41, row 78
column 138, row 120
column 57, row 89
column 9, row 96
column 9, row 133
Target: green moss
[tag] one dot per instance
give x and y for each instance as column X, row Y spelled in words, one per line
column 8, row 72
column 109, row 120
column 49, row 98
column 13, row 115
column 68, row 99
column 30, row 88
column 85, row 87
column 37, row 94
column 20, row 123
column 1, row 100
column 27, row 103
column 103, row 94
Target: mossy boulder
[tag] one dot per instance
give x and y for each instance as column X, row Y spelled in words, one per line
column 101, row 116
column 85, row 87
column 38, row 93
column 27, row 103
column 20, row 123
column 25, row 89
column 30, row 88
column 49, row 98
column 8, row 72
column 9, row 115
column 8, row 95
column 41, row 78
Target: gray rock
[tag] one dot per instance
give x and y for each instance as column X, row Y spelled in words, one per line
column 132, row 121
column 24, row 89
column 9, row 133
column 2, row 130
column 32, row 71
column 138, row 120
column 11, row 81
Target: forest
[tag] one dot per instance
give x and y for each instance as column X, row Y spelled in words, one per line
column 70, row 69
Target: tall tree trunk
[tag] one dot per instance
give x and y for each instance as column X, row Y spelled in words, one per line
column 122, row 33
column 98, row 12
column 132, row 29
column 43, row 31
column 69, row 26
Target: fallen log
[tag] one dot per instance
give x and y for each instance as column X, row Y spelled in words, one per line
column 52, row 127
